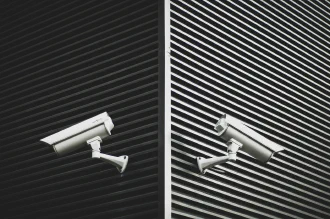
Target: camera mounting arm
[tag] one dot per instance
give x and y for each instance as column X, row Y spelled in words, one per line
column 233, row 147
column 119, row 162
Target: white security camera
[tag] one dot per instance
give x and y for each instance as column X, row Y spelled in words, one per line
column 90, row 131
column 239, row 136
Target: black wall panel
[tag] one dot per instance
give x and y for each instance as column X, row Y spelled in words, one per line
column 63, row 62
column 267, row 64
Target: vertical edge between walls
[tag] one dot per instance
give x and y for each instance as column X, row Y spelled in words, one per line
column 164, row 111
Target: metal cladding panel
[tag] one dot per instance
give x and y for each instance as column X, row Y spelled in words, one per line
column 267, row 64
column 63, row 62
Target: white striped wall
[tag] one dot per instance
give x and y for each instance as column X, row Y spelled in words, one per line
column 266, row 63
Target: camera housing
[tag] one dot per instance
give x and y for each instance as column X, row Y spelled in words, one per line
column 234, row 132
column 75, row 137
column 91, row 130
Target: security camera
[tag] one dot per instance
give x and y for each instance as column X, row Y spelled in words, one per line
column 90, row 131
column 238, row 136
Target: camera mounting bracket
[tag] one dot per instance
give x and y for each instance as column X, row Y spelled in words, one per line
column 233, row 146
column 119, row 162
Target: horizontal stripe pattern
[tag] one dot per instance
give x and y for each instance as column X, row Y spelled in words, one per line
column 267, row 64
column 61, row 63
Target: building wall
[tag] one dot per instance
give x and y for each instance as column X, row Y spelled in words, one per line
column 63, row 62
column 267, row 64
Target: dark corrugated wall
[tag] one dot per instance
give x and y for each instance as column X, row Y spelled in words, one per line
column 63, row 62
column 266, row 63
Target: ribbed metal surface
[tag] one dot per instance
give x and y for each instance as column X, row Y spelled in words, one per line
column 63, row 62
column 267, row 64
